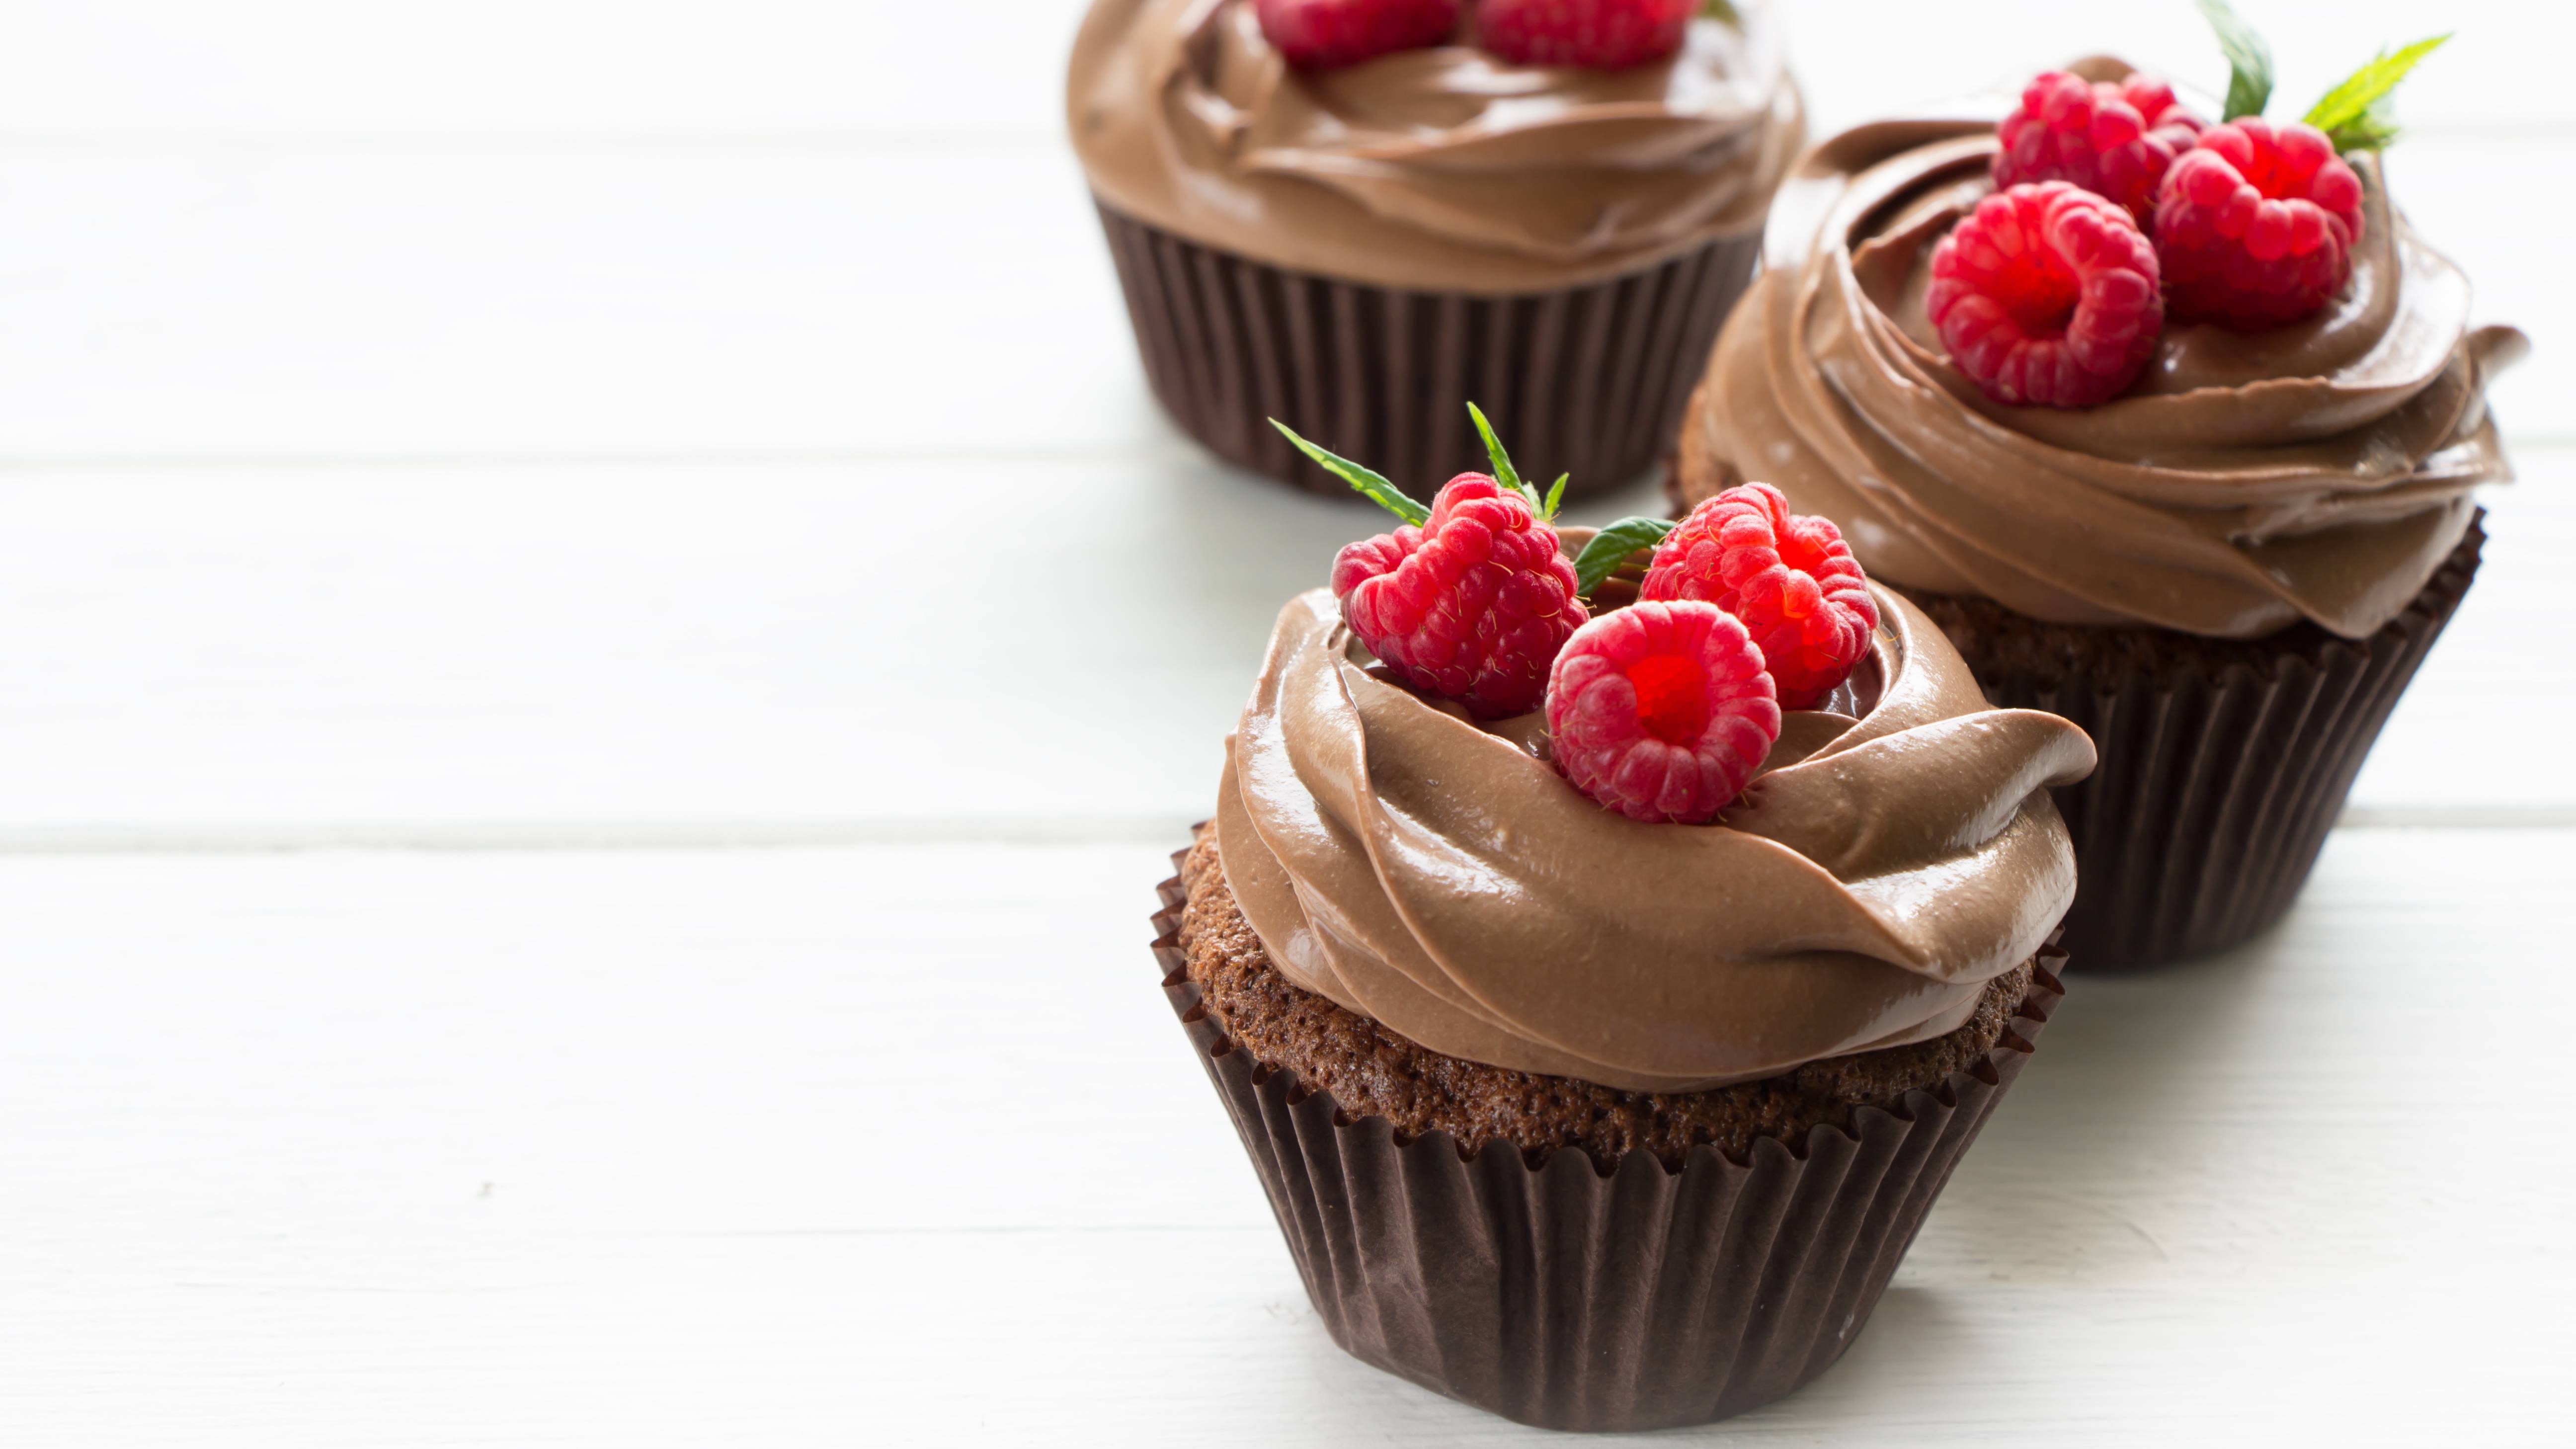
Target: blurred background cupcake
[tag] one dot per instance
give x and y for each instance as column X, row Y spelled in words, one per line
column 1356, row 215
column 2172, row 425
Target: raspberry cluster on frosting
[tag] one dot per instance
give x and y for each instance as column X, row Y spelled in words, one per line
column 2112, row 138
column 1597, row 34
column 2047, row 294
column 1789, row 577
column 1662, row 710
column 2116, row 207
column 1473, row 605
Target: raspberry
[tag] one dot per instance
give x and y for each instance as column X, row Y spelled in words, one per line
column 2114, row 140
column 1322, row 34
column 1661, row 711
column 1471, row 606
column 2256, row 225
column 2047, row 294
column 1602, row 34
column 1790, row 579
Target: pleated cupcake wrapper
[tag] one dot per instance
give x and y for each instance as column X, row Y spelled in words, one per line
column 1585, row 380
column 2213, row 796
column 1555, row 1292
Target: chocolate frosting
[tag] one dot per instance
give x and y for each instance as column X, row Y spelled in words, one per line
column 2248, row 481
column 1897, row 852
column 1442, row 169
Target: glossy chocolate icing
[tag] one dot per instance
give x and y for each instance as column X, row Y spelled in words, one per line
column 1440, row 170
column 1898, row 852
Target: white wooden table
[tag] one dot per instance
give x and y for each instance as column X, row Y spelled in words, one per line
column 599, row 649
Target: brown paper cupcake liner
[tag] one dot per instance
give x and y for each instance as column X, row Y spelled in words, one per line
column 1588, row 380
column 2216, row 786
column 1572, row 1294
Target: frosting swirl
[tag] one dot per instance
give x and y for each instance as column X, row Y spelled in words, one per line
column 2248, row 481
column 1442, row 169
column 1896, row 853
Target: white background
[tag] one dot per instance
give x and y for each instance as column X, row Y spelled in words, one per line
column 600, row 646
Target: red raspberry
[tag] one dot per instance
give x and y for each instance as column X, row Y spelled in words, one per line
column 1789, row 578
column 1472, row 606
column 2256, row 225
column 1322, row 34
column 2047, row 294
column 1602, row 34
column 2114, row 140
column 1661, row 711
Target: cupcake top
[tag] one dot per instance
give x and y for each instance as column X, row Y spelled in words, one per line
column 1442, row 168
column 2245, row 481
column 1586, row 839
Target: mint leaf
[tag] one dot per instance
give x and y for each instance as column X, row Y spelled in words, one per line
column 2377, row 130
column 2249, row 61
column 1721, row 10
column 1611, row 546
column 2356, row 115
column 1555, row 495
column 1504, row 472
column 1373, row 485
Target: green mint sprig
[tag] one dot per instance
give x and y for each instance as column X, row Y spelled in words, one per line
column 1386, row 495
column 2357, row 115
column 1610, row 548
column 1371, row 484
column 1599, row 559
column 2249, row 61
column 1509, row 476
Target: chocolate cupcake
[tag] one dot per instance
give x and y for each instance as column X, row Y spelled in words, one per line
column 2228, row 570
column 1602, row 1046
column 1357, row 248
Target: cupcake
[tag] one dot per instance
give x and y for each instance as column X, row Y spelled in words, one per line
column 1355, row 215
column 1600, row 1029
column 2171, row 425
